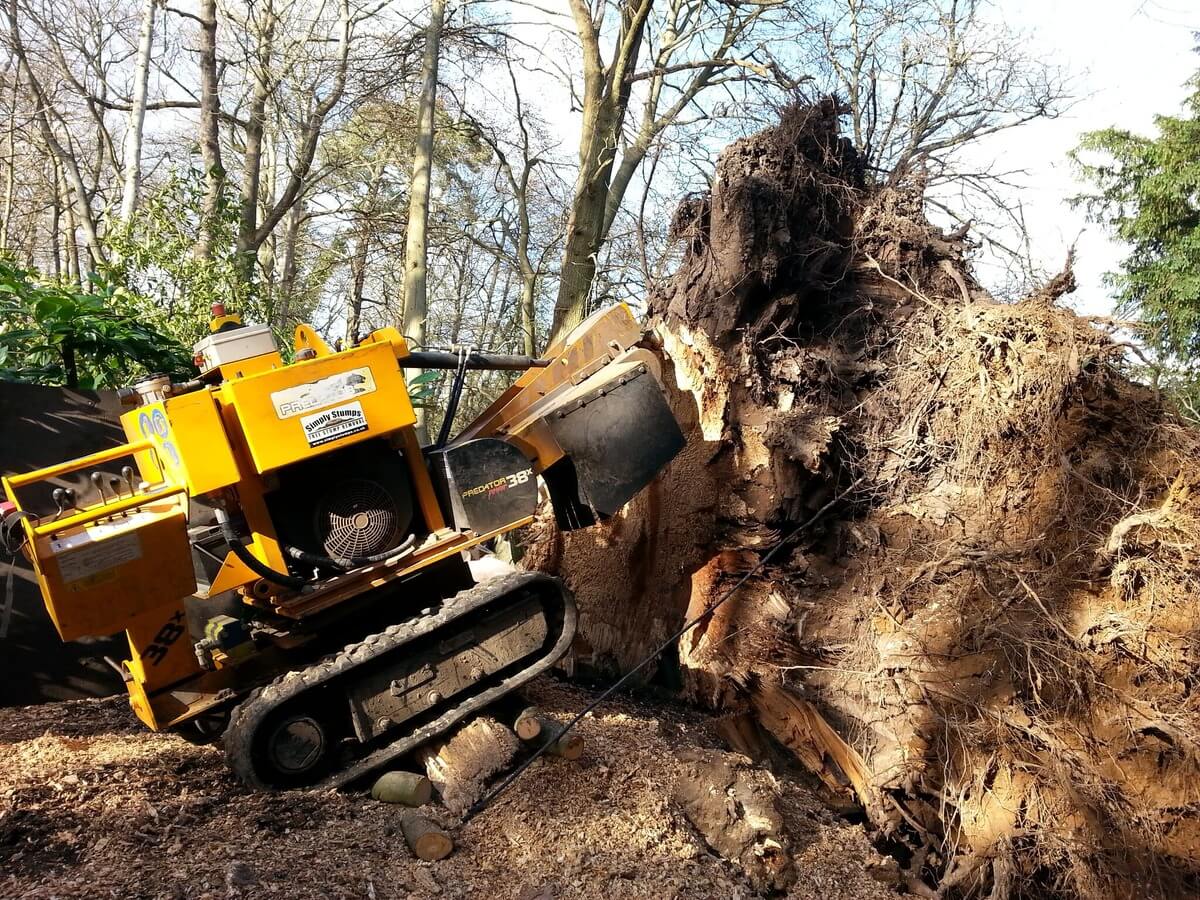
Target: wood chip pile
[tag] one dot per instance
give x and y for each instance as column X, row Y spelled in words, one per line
column 92, row 805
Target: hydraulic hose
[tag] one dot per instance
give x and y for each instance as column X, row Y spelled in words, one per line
column 342, row 563
column 252, row 562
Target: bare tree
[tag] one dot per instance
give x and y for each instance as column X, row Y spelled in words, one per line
column 137, row 111
column 925, row 82
column 210, row 129
column 79, row 208
column 690, row 46
column 415, row 250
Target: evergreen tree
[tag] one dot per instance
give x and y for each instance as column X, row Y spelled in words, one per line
column 1147, row 191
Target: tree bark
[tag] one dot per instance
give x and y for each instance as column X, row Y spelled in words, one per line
column 415, row 300
column 287, row 277
column 358, row 275
column 252, row 156
column 405, row 788
column 460, row 767
column 210, row 131
column 605, row 102
column 137, row 112
column 10, row 162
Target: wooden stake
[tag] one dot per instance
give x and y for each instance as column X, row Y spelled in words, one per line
column 425, row 838
column 407, row 788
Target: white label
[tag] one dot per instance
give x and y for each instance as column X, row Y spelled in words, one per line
column 302, row 398
column 80, row 556
column 332, row 424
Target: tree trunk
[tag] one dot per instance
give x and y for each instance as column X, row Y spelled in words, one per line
column 55, row 214
column 415, row 249
column 358, row 274
column 529, row 313
column 252, row 157
column 605, row 102
column 10, row 160
column 210, row 131
column 70, row 367
column 70, row 168
column 137, row 112
column 460, row 767
column 287, row 278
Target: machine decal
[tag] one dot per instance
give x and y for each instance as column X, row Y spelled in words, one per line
column 500, row 484
column 333, row 424
column 83, row 557
column 302, row 398
column 167, row 635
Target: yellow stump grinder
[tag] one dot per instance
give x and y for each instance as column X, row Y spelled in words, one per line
column 290, row 564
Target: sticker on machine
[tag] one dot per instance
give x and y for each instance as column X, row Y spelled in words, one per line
column 302, row 398
column 334, row 424
column 81, row 558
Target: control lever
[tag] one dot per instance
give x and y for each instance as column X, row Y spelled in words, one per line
column 64, row 499
column 127, row 474
column 98, row 482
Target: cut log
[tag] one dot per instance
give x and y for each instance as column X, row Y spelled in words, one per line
column 536, row 730
column 460, row 767
column 733, row 807
column 528, row 726
column 405, row 788
column 425, row 838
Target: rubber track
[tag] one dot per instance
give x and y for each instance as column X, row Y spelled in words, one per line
column 261, row 702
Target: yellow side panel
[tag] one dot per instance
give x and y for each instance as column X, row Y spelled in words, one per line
column 323, row 404
column 192, row 448
column 94, row 578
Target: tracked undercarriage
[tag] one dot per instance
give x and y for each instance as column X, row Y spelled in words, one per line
column 336, row 721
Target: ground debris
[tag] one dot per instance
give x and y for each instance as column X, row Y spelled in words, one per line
column 733, row 806
column 92, row 804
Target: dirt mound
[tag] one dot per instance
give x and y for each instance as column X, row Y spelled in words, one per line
column 93, row 805
column 990, row 633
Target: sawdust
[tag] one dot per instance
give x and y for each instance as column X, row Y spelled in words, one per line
column 92, row 805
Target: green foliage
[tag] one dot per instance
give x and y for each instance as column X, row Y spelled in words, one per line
column 1148, row 194
column 52, row 333
column 156, row 259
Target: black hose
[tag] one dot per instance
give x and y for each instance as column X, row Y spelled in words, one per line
column 329, row 562
column 456, row 389
column 252, row 562
column 476, row 359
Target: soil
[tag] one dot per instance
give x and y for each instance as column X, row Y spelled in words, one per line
column 93, row 805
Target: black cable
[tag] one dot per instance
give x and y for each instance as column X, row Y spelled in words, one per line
column 456, row 389
column 252, row 562
column 484, row 801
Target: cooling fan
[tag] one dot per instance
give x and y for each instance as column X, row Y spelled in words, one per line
column 357, row 517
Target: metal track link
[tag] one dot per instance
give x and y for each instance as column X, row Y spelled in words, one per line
column 260, row 703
